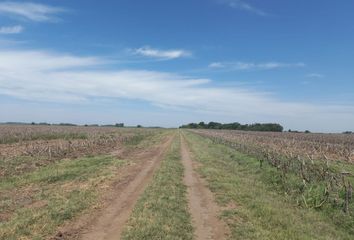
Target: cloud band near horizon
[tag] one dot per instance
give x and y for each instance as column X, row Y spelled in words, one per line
column 53, row 77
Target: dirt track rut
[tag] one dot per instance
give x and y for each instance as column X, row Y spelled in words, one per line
column 203, row 209
column 109, row 224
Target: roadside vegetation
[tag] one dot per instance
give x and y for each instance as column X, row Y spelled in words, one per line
column 256, row 201
column 35, row 204
column 302, row 168
column 162, row 211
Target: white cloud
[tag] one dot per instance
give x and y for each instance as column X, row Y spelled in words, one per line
column 161, row 54
column 242, row 5
column 11, row 29
column 42, row 61
column 30, row 11
column 315, row 75
column 234, row 66
column 216, row 65
column 52, row 77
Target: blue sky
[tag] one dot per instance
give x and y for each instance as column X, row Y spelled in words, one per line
column 171, row 62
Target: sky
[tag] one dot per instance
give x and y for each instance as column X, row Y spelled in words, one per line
column 167, row 63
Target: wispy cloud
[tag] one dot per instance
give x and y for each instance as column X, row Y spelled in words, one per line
column 61, row 78
column 238, row 66
column 315, row 75
column 217, row 65
column 43, row 61
column 147, row 51
column 30, row 11
column 242, row 5
column 11, row 29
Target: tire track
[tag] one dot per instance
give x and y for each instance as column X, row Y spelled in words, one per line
column 202, row 206
column 109, row 224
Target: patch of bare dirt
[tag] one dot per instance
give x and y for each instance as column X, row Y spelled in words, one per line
column 4, row 217
column 205, row 212
column 13, row 199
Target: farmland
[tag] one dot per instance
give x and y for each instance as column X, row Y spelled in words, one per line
column 51, row 174
column 69, row 182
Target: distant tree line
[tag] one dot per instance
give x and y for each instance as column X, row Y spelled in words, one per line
column 265, row 127
column 296, row 131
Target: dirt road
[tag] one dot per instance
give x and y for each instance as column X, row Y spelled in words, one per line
column 203, row 209
column 108, row 224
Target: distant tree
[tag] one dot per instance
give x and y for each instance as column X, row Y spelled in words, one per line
column 67, row 124
column 139, row 126
column 214, row 125
column 202, row 125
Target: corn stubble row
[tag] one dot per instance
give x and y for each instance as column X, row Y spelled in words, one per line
column 54, row 143
column 311, row 158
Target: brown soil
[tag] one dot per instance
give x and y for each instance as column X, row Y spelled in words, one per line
column 108, row 220
column 202, row 206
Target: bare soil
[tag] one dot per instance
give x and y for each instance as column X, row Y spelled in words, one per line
column 202, row 206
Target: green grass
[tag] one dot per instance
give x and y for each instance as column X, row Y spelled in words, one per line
column 41, row 201
column 147, row 139
column 39, row 223
column 162, row 211
column 259, row 209
column 19, row 164
column 63, row 171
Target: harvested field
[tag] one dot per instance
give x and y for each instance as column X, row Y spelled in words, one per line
column 27, row 155
column 308, row 145
column 40, row 192
column 176, row 120
column 126, row 183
